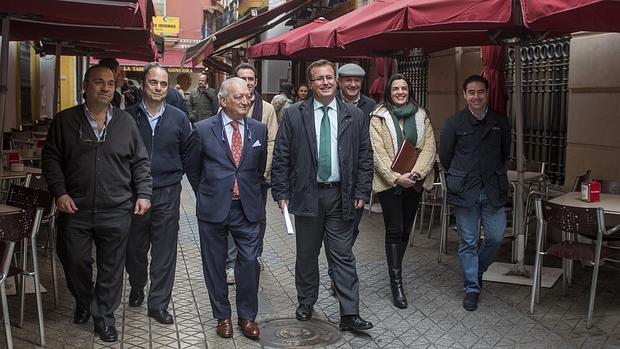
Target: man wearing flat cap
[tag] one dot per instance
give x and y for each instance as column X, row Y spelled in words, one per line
column 350, row 78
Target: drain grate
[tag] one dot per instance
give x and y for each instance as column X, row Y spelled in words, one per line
column 291, row 333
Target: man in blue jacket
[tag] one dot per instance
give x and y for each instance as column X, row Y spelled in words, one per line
column 474, row 147
column 168, row 136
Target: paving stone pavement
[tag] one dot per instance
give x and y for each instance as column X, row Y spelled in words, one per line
column 434, row 318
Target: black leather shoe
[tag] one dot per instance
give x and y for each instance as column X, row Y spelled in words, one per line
column 136, row 297
column 162, row 316
column 303, row 312
column 107, row 333
column 80, row 314
column 470, row 303
column 354, row 323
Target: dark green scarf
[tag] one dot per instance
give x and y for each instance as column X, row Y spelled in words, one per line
column 409, row 130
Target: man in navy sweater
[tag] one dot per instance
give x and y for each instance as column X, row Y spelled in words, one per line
column 167, row 135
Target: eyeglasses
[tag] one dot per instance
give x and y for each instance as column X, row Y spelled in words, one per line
column 90, row 141
column 327, row 78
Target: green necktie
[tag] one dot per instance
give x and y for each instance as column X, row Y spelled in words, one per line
column 325, row 147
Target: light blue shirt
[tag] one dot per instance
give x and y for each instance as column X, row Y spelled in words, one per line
column 333, row 127
column 93, row 123
column 153, row 119
column 226, row 121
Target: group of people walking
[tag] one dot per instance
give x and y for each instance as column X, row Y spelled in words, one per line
column 116, row 177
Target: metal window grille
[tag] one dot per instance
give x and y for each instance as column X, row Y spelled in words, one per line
column 416, row 70
column 545, row 101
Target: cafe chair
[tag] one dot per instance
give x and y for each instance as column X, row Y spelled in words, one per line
column 430, row 198
column 445, row 217
column 14, row 228
column 29, row 199
column 37, row 181
column 586, row 222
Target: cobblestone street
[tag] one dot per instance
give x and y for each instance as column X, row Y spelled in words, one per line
column 434, row 319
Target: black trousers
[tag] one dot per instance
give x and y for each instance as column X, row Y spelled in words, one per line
column 213, row 244
column 76, row 234
column 310, row 232
column 399, row 206
column 157, row 230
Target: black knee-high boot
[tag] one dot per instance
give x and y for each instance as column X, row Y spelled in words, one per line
column 394, row 260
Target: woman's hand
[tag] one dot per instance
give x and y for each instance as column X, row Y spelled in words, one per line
column 405, row 180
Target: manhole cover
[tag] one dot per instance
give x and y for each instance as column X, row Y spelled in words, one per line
column 291, row 333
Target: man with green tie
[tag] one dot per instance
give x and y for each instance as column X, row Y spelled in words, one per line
column 322, row 170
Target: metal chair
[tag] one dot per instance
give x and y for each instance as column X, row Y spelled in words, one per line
column 432, row 198
column 29, row 199
column 445, row 217
column 15, row 227
column 587, row 222
column 37, row 181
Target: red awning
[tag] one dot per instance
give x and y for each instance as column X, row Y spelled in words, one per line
column 572, row 15
column 85, row 30
column 277, row 47
column 243, row 29
column 120, row 13
column 443, row 22
column 385, row 27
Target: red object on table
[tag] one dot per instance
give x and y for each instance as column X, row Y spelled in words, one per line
column 591, row 191
column 11, row 157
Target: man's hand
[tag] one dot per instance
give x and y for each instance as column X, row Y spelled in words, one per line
column 405, row 180
column 359, row 203
column 142, row 205
column 65, row 204
column 281, row 204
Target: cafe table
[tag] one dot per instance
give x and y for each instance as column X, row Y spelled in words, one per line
column 8, row 174
column 4, row 208
column 610, row 203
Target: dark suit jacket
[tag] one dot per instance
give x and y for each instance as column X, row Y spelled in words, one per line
column 294, row 166
column 211, row 170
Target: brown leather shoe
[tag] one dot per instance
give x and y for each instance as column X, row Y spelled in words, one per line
column 224, row 328
column 249, row 328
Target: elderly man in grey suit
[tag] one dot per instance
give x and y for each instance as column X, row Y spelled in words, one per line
column 322, row 169
column 225, row 171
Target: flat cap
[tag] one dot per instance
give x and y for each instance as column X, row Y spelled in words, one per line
column 351, row 69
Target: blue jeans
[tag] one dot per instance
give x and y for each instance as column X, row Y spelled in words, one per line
column 474, row 260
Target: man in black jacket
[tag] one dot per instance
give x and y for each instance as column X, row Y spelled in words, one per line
column 168, row 137
column 95, row 164
column 322, row 169
column 474, row 147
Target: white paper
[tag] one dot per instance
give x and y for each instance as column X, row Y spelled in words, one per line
column 287, row 220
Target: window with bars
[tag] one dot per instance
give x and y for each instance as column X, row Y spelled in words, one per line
column 416, row 70
column 545, row 101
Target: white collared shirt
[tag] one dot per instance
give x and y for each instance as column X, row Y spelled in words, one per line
column 333, row 126
column 153, row 119
column 226, row 121
column 93, row 123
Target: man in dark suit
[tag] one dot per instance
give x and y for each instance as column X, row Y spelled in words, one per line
column 226, row 171
column 322, row 169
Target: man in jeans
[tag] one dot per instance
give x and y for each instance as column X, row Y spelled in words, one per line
column 474, row 147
